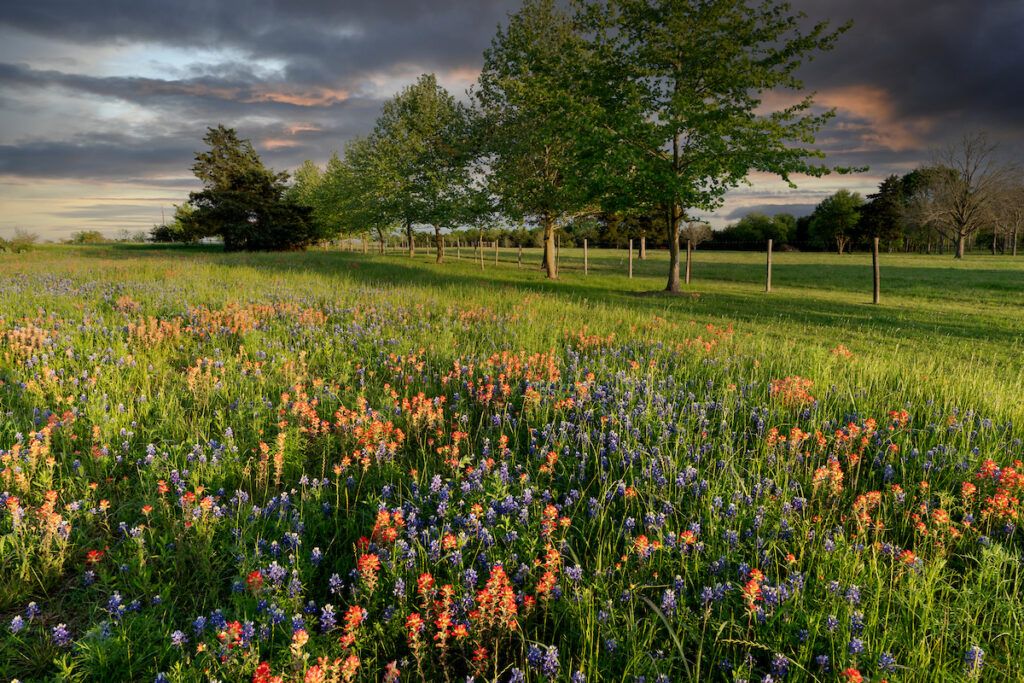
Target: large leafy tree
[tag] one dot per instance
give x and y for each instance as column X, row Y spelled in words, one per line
column 355, row 189
column 421, row 141
column 884, row 216
column 836, row 219
column 683, row 87
column 243, row 201
column 532, row 120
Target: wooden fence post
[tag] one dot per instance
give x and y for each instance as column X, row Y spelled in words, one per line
column 874, row 266
column 495, row 252
column 458, row 248
column 689, row 259
column 586, row 260
column 519, row 258
column 768, row 278
column 631, row 259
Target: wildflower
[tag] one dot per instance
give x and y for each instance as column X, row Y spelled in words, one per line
column 299, row 639
column 353, row 617
column 368, row 566
column 17, row 623
column 974, row 660
column 852, row 675
column 391, row 673
column 349, row 667
column 179, row 639
column 263, row 674
column 856, row 646
column 780, row 665
column 496, row 603
column 60, row 635
column 886, row 662
column 254, row 580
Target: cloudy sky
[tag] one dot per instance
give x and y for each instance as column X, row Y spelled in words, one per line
column 103, row 104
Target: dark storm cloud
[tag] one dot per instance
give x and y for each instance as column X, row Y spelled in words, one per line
column 318, row 38
column 950, row 63
column 97, row 156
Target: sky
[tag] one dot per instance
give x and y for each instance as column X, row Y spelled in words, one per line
column 103, row 104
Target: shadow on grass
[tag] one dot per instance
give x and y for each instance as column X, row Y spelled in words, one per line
column 926, row 325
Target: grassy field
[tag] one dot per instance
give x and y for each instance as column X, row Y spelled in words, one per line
column 332, row 466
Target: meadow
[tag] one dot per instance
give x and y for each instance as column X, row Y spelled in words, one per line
column 330, row 466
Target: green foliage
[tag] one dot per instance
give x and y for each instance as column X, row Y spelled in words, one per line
column 182, row 228
column 87, row 237
column 21, row 241
column 682, row 89
column 245, row 203
column 422, row 138
column 836, row 220
column 533, row 127
column 755, row 229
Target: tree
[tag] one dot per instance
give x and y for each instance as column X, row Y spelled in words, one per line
column 962, row 190
column 22, row 241
column 836, row 218
column 1011, row 212
column 531, row 124
column 354, row 191
column 696, row 232
column 422, row 137
column 756, row 228
column 244, row 202
column 87, row 237
column 182, row 227
column 882, row 216
column 682, row 94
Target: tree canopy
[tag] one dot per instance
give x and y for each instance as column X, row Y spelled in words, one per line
column 683, row 96
column 243, row 202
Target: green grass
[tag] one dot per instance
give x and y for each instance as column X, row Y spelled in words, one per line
column 658, row 407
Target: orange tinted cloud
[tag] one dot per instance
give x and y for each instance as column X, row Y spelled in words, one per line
column 875, row 118
column 866, row 111
column 313, row 97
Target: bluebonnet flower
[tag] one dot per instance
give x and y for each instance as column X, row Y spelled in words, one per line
column 886, row 662
column 17, row 623
column 974, row 660
column 178, row 638
column 856, row 646
column 668, row 600
column 60, row 635
column 780, row 665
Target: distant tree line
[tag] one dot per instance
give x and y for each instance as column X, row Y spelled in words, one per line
column 966, row 197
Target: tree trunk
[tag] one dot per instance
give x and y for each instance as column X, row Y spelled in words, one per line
column 408, row 233
column 643, row 247
column 1014, row 240
column 995, row 235
column 672, row 228
column 439, row 239
column 550, row 263
column 960, row 240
